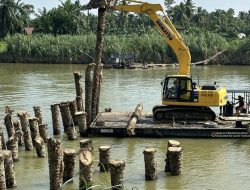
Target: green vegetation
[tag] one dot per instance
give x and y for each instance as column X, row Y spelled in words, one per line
column 3, row 47
column 67, row 34
column 148, row 47
column 204, row 44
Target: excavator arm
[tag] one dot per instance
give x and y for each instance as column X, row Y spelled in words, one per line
column 164, row 26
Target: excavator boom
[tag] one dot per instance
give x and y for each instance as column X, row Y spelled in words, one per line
column 166, row 29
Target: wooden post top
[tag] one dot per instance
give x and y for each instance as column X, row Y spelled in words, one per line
column 149, row 150
column 173, row 143
column 70, row 151
column 105, row 147
column 117, row 163
column 175, row 149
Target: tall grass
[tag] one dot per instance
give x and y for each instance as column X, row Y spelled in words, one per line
column 63, row 48
column 204, row 44
column 148, row 47
column 239, row 52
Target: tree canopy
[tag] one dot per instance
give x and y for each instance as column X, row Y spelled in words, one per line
column 14, row 16
column 70, row 18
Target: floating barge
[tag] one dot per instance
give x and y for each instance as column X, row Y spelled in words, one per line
column 114, row 124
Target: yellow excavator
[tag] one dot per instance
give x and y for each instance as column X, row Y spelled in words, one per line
column 182, row 99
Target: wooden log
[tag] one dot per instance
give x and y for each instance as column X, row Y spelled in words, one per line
column 9, row 169
column 175, row 159
column 55, row 112
column 79, row 103
column 40, row 147
column 82, row 123
column 9, row 125
column 19, row 129
column 78, row 85
column 44, row 133
column 66, row 116
column 69, row 160
column 8, row 110
column 34, row 128
column 86, row 168
column 38, row 114
column 98, row 69
column 12, row 145
column 150, row 164
column 104, row 158
column 88, row 91
column 56, row 167
column 23, row 116
column 87, row 144
column 73, row 110
column 116, row 168
column 3, row 145
column 0, row 143
column 79, row 91
column 133, row 120
column 171, row 143
column 72, row 133
column 2, row 173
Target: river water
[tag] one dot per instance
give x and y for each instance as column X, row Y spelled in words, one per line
column 207, row 163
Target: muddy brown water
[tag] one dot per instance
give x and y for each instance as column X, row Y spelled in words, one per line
column 207, row 164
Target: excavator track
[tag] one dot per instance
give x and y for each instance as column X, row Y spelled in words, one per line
column 163, row 113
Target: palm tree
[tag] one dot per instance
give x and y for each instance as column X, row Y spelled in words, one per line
column 243, row 15
column 73, row 14
column 168, row 4
column 42, row 22
column 189, row 9
column 179, row 14
column 216, row 20
column 14, row 16
column 200, row 16
column 67, row 18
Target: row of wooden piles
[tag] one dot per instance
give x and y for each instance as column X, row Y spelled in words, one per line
column 29, row 132
column 62, row 164
column 32, row 132
column 73, row 116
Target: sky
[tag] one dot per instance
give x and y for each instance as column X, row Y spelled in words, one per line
column 209, row 5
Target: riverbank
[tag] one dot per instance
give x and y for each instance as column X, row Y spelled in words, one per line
column 149, row 48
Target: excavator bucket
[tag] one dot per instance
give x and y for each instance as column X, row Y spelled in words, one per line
column 93, row 4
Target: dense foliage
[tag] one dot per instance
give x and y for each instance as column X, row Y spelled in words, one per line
column 68, row 33
column 148, row 47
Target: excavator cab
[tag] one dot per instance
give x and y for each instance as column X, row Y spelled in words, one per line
column 178, row 89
